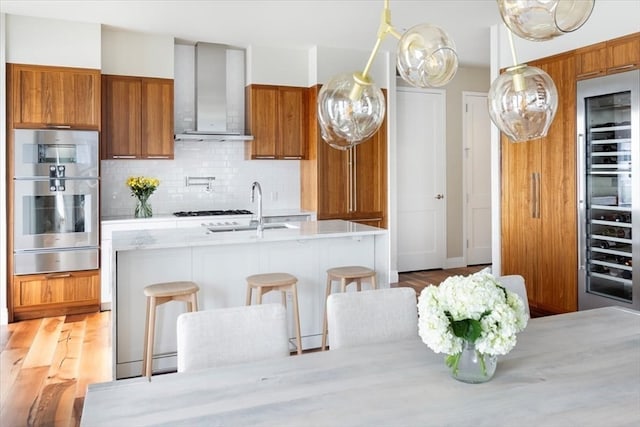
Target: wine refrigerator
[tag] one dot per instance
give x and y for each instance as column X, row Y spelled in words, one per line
column 608, row 127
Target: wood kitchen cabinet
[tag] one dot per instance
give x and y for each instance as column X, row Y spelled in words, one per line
column 53, row 97
column 613, row 56
column 137, row 117
column 277, row 119
column 345, row 184
column 55, row 294
column 539, row 202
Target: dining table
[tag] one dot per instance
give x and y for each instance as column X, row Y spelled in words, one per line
column 572, row 369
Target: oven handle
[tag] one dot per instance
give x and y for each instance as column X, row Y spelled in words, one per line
column 56, row 276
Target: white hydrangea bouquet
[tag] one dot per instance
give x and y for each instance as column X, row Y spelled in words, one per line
column 473, row 309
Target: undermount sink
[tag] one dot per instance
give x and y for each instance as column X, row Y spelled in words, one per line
column 254, row 227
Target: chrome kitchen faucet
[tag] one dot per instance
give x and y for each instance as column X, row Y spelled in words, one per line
column 260, row 222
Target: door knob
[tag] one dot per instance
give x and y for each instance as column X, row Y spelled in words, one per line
column 439, row 196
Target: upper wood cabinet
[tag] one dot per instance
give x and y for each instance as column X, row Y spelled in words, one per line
column 277, row 119
column 613, row 56
column 137, row 117
column 345, row 184
column 539, row 202
column 53, row 97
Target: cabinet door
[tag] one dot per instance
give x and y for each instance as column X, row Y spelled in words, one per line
column 369, row 178
column 55, row 97
column 333, row 181
column 623, row 54
column 43, row 295
column 521, row 221
column 263, row 121
column 591, row 61
column 558, row 266
column 121, row 111
column 157, row 118
column 292, row 123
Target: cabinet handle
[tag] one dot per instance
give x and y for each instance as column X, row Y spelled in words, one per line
column 535, row 195
column 157, row 157
column 621, row 67
column 292, row 157
column 124, row 157
column 49, row 125
column 264, row 157
column 354, row 171
column 591, row 73
column 57, row 275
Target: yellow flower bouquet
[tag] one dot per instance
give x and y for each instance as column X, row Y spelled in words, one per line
column 142, row 187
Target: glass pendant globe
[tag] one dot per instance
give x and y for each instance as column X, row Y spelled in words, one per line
column 522, row 102
column 540, row 20
column 426, row 56
column 350, row 110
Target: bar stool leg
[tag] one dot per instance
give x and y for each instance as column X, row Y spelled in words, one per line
column 148, row 359
column 324, row 322
column 296, row 315
column 374, row 284
column 248, row 300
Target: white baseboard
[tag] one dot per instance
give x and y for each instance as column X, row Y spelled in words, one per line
column 455, row 262
column 394, row 277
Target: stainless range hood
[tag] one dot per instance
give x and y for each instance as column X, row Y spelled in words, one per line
column 210, row 93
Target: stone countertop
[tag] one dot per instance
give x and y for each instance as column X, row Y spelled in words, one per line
column 171, row 217
column 200, row 236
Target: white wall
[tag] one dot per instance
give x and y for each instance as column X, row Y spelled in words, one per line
column 129, row 53
column 273, row 66
column 52, row 42
column 4, row 315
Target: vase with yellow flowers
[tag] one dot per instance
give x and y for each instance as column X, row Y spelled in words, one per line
column 142, row 188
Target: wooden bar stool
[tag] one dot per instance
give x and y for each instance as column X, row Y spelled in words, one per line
column 346, row 275
column 282, row 282
column 158, row 294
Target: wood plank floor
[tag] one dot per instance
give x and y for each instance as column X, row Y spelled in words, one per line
column 46, row 364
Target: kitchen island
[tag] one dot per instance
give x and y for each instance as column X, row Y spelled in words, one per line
column 219, row 263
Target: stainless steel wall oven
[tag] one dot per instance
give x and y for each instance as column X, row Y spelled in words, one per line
column 55, row 200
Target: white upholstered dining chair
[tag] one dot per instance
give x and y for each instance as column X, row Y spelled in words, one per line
column 232, row 335
column 515, row 283
column 373, row 316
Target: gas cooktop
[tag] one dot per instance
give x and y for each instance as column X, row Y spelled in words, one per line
column 214, row 212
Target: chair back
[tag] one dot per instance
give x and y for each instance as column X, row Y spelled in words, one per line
column 232, row 335
column 515, row 283
column 372, row 316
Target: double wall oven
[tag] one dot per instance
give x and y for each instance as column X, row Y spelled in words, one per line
column 56, row 183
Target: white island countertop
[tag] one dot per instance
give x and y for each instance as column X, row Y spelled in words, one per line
column 200, row 236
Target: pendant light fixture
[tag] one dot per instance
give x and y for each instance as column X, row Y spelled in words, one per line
column 351, row 107
column 522, row 101
column 540, row 20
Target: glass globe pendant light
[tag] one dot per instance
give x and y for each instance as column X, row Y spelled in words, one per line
column 351, row 107
column 539, row 20
column 350, row 110
column 522, row 101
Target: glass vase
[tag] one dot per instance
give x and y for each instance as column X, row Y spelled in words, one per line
column 143, row 208
column 471, row 366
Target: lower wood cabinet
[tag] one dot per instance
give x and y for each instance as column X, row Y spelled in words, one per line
column 55, row 294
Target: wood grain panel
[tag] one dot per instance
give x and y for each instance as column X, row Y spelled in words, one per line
column 122, row 97
column 292, row 126
column 157, row 118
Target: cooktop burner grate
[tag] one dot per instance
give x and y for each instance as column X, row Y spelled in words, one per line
column 214, row 212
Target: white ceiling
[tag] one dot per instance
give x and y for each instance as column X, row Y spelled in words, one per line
column 289, row 23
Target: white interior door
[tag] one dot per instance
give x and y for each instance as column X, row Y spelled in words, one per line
column 421, row 179
column 477, row 182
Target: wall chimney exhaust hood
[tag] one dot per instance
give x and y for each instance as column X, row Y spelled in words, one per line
column 210, row 93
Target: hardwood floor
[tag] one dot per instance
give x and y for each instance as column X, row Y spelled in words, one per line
column 46, row 364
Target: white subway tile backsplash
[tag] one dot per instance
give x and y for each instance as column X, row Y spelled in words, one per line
column 223, row 160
